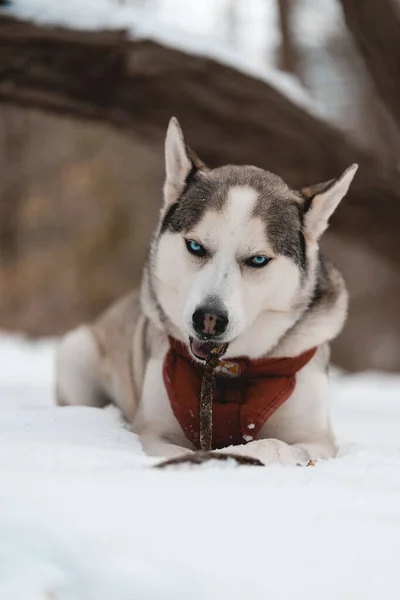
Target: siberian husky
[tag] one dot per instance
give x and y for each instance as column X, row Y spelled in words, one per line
column 235, row 259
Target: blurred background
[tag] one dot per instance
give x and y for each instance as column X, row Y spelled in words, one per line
column 301, row 87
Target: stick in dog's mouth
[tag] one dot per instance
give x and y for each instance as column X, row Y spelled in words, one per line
column 202, row 350
column 211, row 358
column 206, row 396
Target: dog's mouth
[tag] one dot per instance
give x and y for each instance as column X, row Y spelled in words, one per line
column 202, row 349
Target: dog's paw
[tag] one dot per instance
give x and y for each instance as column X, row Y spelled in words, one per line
column 269, row 451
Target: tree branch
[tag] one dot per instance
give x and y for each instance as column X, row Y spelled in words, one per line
column 226, row 115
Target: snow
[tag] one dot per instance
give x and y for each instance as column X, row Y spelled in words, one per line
column 83, row 516
column 199, row 28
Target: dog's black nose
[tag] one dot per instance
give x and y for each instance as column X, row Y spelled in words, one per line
column 209, row 323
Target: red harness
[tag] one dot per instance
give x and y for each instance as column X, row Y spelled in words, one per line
column 247, row 393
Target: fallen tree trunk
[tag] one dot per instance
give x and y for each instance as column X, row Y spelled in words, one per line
column 226, row 115
column 375, row 28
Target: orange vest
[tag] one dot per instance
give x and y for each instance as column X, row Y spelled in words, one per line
column 247, row 393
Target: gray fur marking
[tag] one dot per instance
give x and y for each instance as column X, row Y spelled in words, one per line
column 278, row 206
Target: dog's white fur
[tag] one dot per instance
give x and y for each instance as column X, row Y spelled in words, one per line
column 120, row 357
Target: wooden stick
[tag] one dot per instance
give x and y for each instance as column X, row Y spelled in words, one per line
column 206, row 397
column 200, row 457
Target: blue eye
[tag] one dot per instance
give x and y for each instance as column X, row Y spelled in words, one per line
column 257, row 261
column 195, row 248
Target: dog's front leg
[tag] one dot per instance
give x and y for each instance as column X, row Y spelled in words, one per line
column 155, row 445
column 158, row 430
column 299, row 431
column 270, row 451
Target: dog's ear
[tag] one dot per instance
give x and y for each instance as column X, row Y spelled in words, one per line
column 181, row 163
column 321, row 200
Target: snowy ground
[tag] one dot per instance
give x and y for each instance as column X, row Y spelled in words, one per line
column 83, row 517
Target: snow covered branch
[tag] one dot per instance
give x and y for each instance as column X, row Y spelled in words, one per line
column 228, row 116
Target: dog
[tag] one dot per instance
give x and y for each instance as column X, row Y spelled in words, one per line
column 235, row 260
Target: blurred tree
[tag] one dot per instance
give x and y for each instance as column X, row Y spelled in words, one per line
column 375, row 27
column 288, row 60
column 231, row 20
column 138, row 85
column 12, row 180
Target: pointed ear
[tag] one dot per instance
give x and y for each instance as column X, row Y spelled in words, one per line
column 180, row 163
column 321, row 200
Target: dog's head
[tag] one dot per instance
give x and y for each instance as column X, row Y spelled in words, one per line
column 236, row 249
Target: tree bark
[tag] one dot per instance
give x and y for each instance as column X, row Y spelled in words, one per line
column 375, row 28
column 227, row 116
column 288, row 54
column 12, row 183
